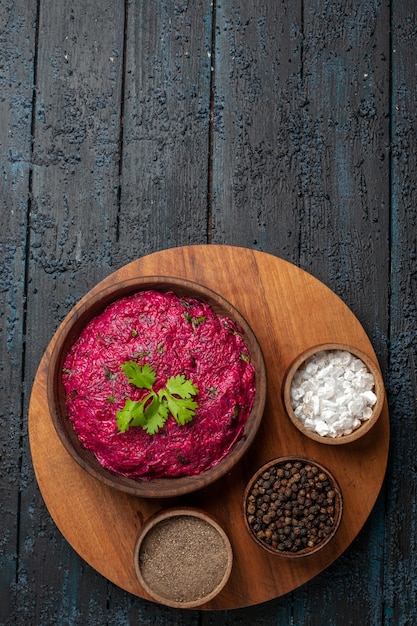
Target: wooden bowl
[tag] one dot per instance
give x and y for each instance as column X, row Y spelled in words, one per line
column 68, row 334
column 291, row 486
column 378, row 390
column 182, row 557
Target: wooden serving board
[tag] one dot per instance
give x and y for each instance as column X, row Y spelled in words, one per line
column 289, row 311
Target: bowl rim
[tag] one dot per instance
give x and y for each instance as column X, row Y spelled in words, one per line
column 91, row 305
column 365, row 426
column 171, row 513
column 338, row 514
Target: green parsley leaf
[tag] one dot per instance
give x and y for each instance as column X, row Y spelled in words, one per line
column 156, row 415
column 142, row 377
column 180, row 386
column 182, row 409
column 152, row 411
column 132, row 414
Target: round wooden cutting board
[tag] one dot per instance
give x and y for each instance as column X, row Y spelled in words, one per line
column 289, row 311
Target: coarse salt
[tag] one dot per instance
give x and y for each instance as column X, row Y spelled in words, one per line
column 332, row 393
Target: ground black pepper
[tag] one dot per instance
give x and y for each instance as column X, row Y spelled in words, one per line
column 291, row 507
column 183, row 558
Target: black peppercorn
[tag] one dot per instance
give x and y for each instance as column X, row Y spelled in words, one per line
column 291, row 506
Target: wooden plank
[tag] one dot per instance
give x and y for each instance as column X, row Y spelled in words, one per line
column 16, row 80
column 166, row 120
column 401, row 528
column 165, row 157
column 74, row 190
column 318, row 196
column 258, row 102
column 345, row 239
column 84, row 218
column 346, row 234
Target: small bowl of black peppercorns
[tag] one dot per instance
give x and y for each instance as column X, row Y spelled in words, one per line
column 292, row 506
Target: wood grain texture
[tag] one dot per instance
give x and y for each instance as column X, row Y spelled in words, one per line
column 290, row 161
column 346, row 52
column 17, row 45
column 401, row 529
column 166, row 111
column 346, row 58
column 322, row 187
column 87, row 512
column 257, row 198
column 74, row 193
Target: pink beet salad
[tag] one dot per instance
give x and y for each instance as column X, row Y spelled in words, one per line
column 171, row 337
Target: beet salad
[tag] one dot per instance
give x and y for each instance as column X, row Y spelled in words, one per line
column 159, row 386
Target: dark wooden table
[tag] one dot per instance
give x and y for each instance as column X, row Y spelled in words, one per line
column 284, row 126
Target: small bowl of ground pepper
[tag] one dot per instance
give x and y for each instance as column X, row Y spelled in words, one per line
column 292, row 506
column 183, row 557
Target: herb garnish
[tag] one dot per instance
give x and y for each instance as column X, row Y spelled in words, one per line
column 195, row 321
column 152, row 412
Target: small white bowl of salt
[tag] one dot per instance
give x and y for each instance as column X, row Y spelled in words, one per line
column 334, row 393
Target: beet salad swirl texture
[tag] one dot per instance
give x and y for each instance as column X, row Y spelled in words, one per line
column 159, row 386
